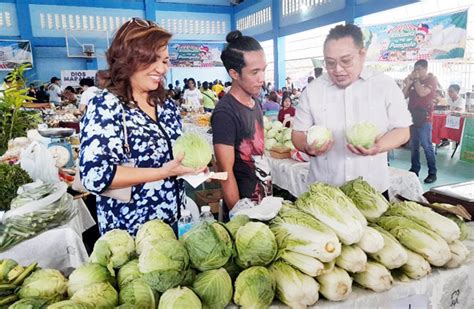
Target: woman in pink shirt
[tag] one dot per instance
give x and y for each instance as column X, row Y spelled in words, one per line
column 286, row 110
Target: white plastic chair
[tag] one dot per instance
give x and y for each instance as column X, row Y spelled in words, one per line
column 190, row 205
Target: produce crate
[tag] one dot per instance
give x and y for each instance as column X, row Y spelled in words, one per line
column 209, row 197
column 280, row 152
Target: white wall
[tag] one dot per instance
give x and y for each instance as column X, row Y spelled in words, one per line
column 199, row 74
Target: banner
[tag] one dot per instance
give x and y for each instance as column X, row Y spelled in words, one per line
column 196, row 55
column 72, row 77
column 437, row 37
column 13, row 53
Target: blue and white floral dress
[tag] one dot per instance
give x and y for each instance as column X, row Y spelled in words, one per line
column 102, row 140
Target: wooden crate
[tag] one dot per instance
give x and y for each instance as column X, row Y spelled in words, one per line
column 280, row 152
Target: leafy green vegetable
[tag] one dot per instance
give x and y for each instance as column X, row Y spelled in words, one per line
column 29, row 303
column 369, row 201
column 235, row 223
column 70, row 304
column 254, row 288
column 416, row 266
column 139, row 294
column 209, row 245
column 100, row 295
column 304, row 263
column 371, row 240
column 335, row 285
column 87, row 274
column 362, row 134
column 459, row 254
column 164, row 264
column 352, row 259
column 461, row 224
column 48, row 284
column 128, row 272
column 113, row 249
column 180, row 297
column 255, row 245
column 376, row 277
column 318, row 134
column 214, row 288
column 393, row 254
column 13, row 177
column 150, row 231
column 196, row 150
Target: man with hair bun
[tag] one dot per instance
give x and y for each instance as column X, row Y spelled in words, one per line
column 237, row 123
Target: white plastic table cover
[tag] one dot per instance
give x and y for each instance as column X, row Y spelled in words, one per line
column 292, row 176
column 60, row 248
column 442, row 289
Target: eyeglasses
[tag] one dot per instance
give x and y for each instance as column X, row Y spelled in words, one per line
column 345, row 62
column 139, row 22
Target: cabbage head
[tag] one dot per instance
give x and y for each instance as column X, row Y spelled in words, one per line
column 335, row 285
column 100, row 295
column 69, row 304
column 295, row 289
column 138, row 293
column 235, row 223
column 113, row 249
column 29, row 303
column 376, row 277
column 289, row 144
column 163, row 265
column 318, row 134
column 196, row 150
column 269, row 143
column 254, row 288
column 87, row 274
column 128, row 272
column 272, row 134
column 48, row 284
column 277, row 125
column 152, row 230
column 362, row 134
column 209, row 245
column 180, row 297
column 255, row 245
column 214, row 288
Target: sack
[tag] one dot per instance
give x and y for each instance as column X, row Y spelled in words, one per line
column 39, row 163
column 419, row 116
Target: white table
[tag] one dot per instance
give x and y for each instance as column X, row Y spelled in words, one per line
column 60, row 248
column 292, row 176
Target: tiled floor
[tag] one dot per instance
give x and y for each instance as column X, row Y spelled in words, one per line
column 449, row 170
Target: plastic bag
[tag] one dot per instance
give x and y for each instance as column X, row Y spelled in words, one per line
column 265, row 211
column 39, row 163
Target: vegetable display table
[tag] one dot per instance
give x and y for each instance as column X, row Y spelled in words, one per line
column 60, row 248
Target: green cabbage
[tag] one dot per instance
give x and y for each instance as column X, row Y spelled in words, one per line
column 87, row 274
column 235, row 223
column 352, row 259
column 459, row 254
column 299, row 232
column 427, row 218
column 48, row 284
column 113, row 249
column 418, row 239
column 371, row 203
column 69, row 304
column 254, row 288
column 293, row 288
column 371, row 240
column 461, row 224
column 232, row 268
column 289, row 144
column 128, row 272
column 393, row 254
column 271, row 134
column 29, row 303
column 189, row 277
column 416, row 266
column 209, row 245
column 304, row 263
column 196, row 150
column 267, row 124
column 152, row 230
column 277, row 125
column 100, row 295
column 318, row 134
column 335, row 285
column 269, row 143
column 362, row 134
column 138, row 293
column 164, row 264
column 255, row 245
column 214, row 288
column 332, row 207
column 179, row 298
column 376, row 277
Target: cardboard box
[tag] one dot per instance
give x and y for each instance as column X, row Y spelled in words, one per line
column 209, row 197
column 280, row 152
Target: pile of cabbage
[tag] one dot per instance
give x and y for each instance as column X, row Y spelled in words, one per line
column 276, row 135
column 316, row 247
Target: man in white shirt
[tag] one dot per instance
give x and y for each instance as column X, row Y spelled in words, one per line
column 346, row 95
column 89, row 91
column 54, row 91
column 455, row 101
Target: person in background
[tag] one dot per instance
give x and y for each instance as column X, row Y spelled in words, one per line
column 271, row 106
column 177, row 91
column 289, row 84
column 286, row 110
column 138, row 61
column 199, row 85
column 209, row 98
column 217, row 87
column 295, row 96
column 318, row 72
column 456, row 102
column 348, row 94
column 420, row 89
column 41, row 95
column 227, row 87
column 192, row 96
column 440, row 99
column 32, row 92
column 54, row 91
column 69, row 96
column 237, row 123
column 170, row 87
column 89, row 91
